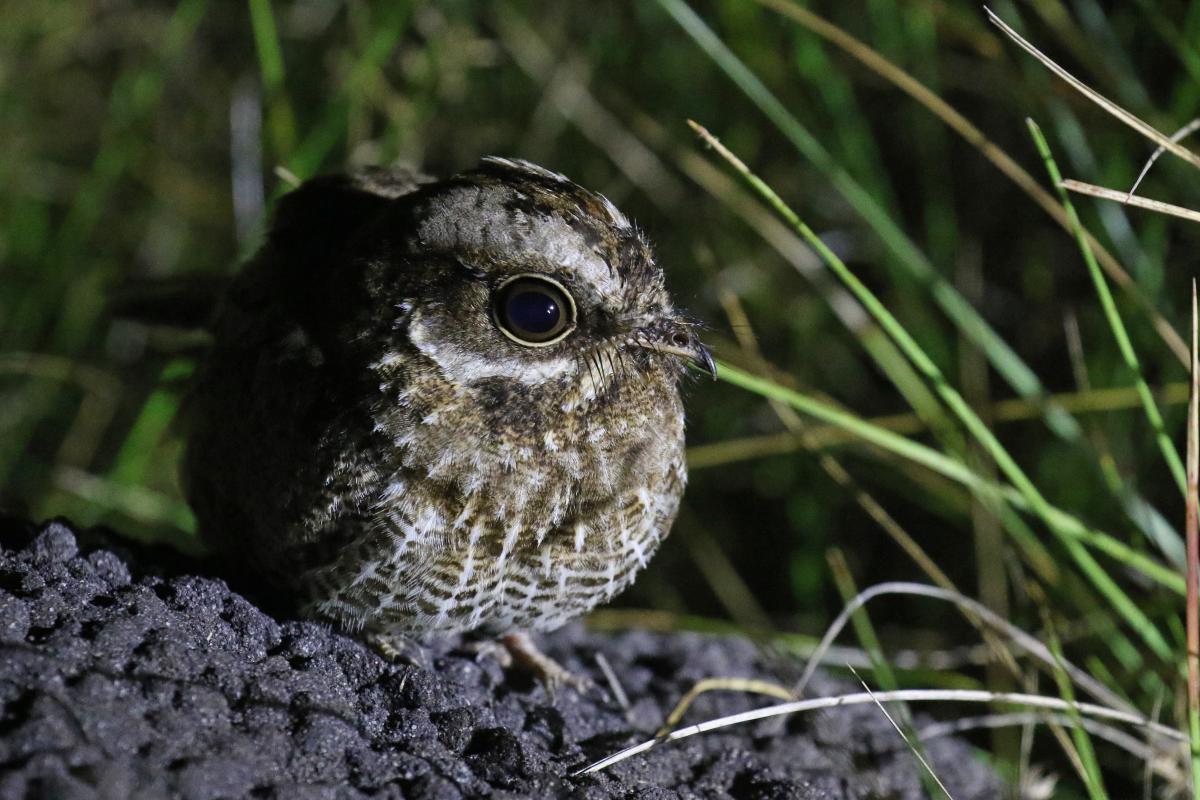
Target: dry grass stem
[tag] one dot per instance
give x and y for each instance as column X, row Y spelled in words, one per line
column 1139, row 125
column 1023, row 640
column 288, row 177
column 916, row 751
column 1126, row 198
column 614, row 683
column 906, row 83
column 898, row 696
column 1158, row 760
column 749, row 685
column 1179, row 135
column 1086, row 401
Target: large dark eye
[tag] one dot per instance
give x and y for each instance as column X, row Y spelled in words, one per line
column 533, row 310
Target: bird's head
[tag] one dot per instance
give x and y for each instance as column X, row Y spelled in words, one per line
column 512, row 272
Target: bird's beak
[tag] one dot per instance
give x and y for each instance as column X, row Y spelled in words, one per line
column 677, row 339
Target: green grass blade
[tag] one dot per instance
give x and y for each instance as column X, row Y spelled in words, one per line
column 331, row 128
column 937, row 106
column 137, row 452
column 1079, row 734
column 1095, row 573
column 71, row 272
column 266, row 44
column 948, row 467
column 868, row 639
column 1124, row 345
column 873, row 340
column 1007, row 363
column 280, row 118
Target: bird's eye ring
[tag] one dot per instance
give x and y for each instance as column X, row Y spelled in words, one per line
column 533, row 310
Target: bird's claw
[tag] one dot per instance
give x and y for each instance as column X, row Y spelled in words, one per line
column 518, row 649
column 549, row 672
column 398, row 649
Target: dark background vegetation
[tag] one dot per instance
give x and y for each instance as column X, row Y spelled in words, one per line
column 142, row 140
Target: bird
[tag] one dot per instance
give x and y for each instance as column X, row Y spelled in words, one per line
column 444, row 406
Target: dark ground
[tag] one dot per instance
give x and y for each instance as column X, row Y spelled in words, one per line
column 121, row 680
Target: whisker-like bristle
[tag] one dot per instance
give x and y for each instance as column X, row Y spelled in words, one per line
column 611, row 367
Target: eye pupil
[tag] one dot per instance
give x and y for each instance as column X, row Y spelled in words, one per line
column 533, row 311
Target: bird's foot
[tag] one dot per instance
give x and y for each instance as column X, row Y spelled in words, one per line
column 398, row 649
column 519, row 649
column 552, row 675
column 490, row 649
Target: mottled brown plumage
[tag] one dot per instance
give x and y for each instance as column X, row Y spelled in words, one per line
column 379, row 432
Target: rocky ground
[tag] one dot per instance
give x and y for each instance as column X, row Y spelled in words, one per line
column 119, row 679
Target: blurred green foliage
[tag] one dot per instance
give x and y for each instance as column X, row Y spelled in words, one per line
column 147, row 140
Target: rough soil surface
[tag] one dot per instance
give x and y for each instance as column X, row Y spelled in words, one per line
column 119, row 679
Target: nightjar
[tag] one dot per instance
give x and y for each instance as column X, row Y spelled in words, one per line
column 444, row 406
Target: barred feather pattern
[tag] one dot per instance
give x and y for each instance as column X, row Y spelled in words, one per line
column 524, row 535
